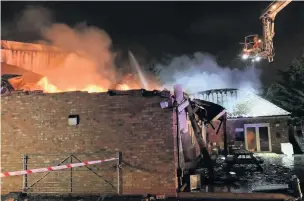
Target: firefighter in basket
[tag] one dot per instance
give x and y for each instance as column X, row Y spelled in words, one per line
column 257, row 44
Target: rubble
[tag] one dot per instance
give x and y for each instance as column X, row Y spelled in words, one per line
column 247, row 178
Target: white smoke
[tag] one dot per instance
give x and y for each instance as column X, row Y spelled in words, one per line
column 202, row 73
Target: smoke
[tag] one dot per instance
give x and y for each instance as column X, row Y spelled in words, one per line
column 33, row 19
column 202, row 73
column 27, row 25
column 89, row 60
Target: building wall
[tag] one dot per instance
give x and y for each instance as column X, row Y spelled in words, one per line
column 278, row 130
column 33, row 57
column 132, row 124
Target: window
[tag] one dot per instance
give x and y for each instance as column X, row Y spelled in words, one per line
column 257, row 137
column 239, row 134
column 73, row 120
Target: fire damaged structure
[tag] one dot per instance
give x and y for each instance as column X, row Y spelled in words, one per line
column 149, row 128
column 16, row 78
column 30, row 56
column 252, row 122
column 161, row 140
column 22, row 64
column 132, row 122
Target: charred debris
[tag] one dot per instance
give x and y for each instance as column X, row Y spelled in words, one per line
column 208, row 168
column 6, row 86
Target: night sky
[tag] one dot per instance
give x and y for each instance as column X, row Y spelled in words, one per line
column 176, row 28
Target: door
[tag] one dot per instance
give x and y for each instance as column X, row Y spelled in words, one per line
column 257, row 137
column 264, row 139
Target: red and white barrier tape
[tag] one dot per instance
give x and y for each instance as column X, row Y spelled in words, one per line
column 54, row 168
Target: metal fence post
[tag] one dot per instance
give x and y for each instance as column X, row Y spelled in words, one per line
column 119, row 173
column 25, row 161
column 71, row 176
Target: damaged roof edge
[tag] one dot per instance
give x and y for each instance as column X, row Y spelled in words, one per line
column 244, row 104
column 142, row 92
column 135, row 92
column 262, row 117
column 24, row 46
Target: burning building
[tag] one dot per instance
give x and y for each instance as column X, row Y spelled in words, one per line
column 149, row 128
column 20, row 78
column 133, row 124
column 30, row 56
column 65, row 70
column 253, row 122
column 156, row 142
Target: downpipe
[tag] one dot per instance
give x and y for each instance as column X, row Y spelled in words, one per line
column 179, row 169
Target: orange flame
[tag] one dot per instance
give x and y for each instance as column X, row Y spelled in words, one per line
column 48, row 87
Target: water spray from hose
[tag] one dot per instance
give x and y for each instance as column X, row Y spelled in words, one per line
column 134, row 64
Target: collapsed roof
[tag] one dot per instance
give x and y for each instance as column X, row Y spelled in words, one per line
column 240, row 103
column 28, row 79
column 252, row 105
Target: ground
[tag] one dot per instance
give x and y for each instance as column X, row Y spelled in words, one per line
column 277, row 169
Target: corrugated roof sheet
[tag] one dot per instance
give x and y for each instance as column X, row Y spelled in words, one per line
column 14, row 45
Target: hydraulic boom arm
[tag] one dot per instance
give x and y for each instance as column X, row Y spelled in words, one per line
column 268, row 17
column 256, row 48
column 274, row 8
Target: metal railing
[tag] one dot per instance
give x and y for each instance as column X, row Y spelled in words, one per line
column 90, row 179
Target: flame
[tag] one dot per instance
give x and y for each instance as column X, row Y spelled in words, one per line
column 93, row 89
column 47, row 87
column 123, row 87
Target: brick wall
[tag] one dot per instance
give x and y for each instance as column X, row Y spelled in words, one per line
column 134, row 125
column 278, row 130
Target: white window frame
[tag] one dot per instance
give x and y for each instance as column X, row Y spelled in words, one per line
column 258, row 135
